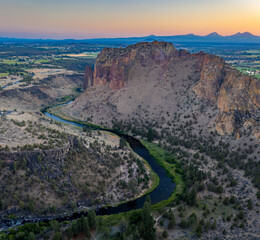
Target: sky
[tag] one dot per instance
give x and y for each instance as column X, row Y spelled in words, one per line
column 81, row 19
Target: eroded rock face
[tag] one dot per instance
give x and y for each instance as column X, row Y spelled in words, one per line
column 236, row 95
column 88, row 77
column 53, row 158
column 239, row 98
column 211, row 70
column 214, row 82
column 113, row 65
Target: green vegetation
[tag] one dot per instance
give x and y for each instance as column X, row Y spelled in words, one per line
column 29, row 171
column 257, row 75
column 11, row 62
column 153, row 177
column 169, row 162
column 166, row 160
column 136, row 224
column 4, row 74
column 174, row 145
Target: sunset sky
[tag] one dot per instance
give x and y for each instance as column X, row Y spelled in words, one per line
column 114, row 18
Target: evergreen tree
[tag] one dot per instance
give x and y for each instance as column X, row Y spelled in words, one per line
column 258, row 194
column 92, row 219
column 31, row 236
column 165, row 234
column 57, row 236
column 83, row 222
column 2, row 205
column 199, row 230
column 171, row 218
column 150, row 135
column 122, row 143
column 191, row 197
column 147, row 229
column 55, row 225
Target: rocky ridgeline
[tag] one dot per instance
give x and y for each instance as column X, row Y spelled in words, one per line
column 216, row 83
column 38, row 160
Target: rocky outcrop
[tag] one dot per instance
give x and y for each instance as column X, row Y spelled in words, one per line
column 88, row 77
column 113, row 65
column 214, row 82
column 236, row 95
column 56, row 154
column 34, row 160
column 211, row 70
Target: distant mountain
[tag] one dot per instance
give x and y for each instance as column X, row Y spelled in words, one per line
column 213, row 37
column 245, row 35
column 214, row 34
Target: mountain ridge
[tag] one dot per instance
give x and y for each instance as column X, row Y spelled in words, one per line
column 244, row 37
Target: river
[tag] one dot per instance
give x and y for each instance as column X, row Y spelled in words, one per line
column 162, row 192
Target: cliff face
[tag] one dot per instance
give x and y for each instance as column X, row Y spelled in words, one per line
column 112, row 65
column 237, row 96
column 53, row 158
column 88, row 77
column 211, row 69
column 214, row 82
column 238, row 102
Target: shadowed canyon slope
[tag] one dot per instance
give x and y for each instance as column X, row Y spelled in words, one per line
column 156, row 83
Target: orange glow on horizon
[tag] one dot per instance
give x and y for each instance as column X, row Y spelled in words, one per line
column 122, row 19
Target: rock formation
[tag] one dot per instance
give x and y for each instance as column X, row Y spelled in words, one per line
column 214, row 82
column 88, row 77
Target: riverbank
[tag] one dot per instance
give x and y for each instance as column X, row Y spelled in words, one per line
column 157, row 152
column 161, row 198
column 160, row 156
column 154, row 178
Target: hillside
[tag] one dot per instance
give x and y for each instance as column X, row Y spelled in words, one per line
column 48, row 168
column 195, row 106
column 148, row 81
column 40, row 93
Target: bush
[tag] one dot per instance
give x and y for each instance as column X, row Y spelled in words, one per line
column 165, row 234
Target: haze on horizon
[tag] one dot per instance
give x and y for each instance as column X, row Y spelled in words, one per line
column 116, row 18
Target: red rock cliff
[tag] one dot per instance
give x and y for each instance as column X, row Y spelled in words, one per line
column 235, row 95
column 112, row 65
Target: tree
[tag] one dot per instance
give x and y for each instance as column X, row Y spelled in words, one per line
column 184, row 223
column 55, row 225
column 165, row 234
column 84, row 226
column 172, row 223
column 122, row 143
column 199, row 230
column 147, row 229
column 57, row 236
column 92, row 219
column 171, row 218
column 191, row 197
column 31, row 236
column 214, row 225
column 150, row 135
column 2, row 205
column 123, row 226
column 258, row 194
